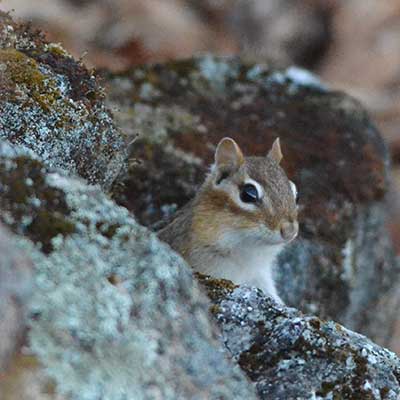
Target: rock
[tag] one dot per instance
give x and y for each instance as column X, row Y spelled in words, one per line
column 342, row 267
column 15, row 292
column 115, row 313
column 292, row 356
column 53, row 105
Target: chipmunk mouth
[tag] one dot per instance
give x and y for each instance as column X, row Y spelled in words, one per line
column 260, row 236
column 278, row 238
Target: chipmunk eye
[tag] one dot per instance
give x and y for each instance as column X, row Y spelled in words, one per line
column 249, row 193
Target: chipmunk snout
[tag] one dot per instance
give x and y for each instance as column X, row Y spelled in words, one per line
column 289, row 229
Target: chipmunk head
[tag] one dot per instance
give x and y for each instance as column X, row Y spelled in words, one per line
column 248, row 200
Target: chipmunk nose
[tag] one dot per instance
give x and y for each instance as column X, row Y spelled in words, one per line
column 289, row 229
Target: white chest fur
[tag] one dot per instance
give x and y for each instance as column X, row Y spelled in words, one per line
column 251, row 265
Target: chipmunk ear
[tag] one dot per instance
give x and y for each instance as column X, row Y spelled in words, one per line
column 228, row 156
column 275, row 153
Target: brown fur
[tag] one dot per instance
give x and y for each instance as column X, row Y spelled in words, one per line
column 221, row 235
column 201, row 221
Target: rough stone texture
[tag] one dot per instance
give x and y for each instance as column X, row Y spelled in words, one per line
column 15, row 290
column 291, row 356
column 342, row 266
column 53, row 105
column 115, row 314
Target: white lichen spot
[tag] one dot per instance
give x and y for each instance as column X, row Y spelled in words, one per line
column 35, row 202
column 216, row 71
column 257, row 72
column 302, row 77
column 295, row 78
column 350, row 364
column 372, row 359
column 349, row 273
column 367, row 385
column 148, row 92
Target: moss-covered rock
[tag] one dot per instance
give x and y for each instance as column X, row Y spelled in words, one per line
column 292, row 356
column 29, row 205
column 53, row 105
column 115, row 313
column 342, row 266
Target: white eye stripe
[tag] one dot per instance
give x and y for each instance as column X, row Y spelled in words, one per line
column 294, row 189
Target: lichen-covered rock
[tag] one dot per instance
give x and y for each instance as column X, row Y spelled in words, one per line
column 15, row 291
column 342, row 266
column 115, row 313
column 292, row 356
column 53, row 105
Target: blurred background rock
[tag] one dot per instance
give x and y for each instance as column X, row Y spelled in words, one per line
column 353, row 45
column 326, row 36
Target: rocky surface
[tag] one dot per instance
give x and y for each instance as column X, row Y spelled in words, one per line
column 15, row 291
column 115, row 314
column 53, row 105
column 342, row 266
column 292, row 356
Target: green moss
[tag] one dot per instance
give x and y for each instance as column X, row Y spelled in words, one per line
column 53, row 104
column 326, row 387
column 57, row 50
column 21, row 70
column 107, row 230
column 46, row 225
column 29, row 205
column 216, row 288
column 214, row 309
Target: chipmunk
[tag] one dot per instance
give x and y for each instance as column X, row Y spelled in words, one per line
column 242, row 216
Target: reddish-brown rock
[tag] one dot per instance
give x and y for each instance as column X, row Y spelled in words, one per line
column 342, row 266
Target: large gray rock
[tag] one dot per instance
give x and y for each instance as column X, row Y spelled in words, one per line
column 342, row 266
column 291, row 356
column 115, row 314
column 53, row 105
